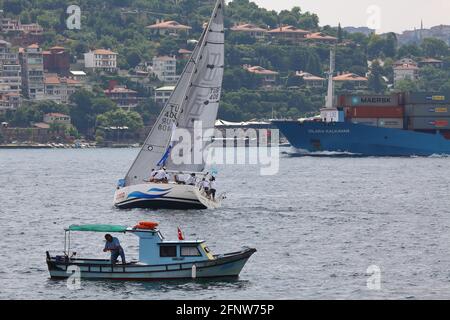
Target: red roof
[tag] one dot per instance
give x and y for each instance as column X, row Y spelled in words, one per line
column 104, row 51
column 169, row 25
column 55, row 114
column 119, row 89
column 349, row 77
column 288, row 29
column 320, row 36
column 260, row 70
column 247, row 27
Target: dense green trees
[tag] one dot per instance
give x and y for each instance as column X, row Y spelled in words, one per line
column 120, row 25
column 376, row 81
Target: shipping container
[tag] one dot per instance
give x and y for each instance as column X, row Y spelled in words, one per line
column 427, row 110
column 394, row 123
column 369, row 100
column 374, row 112
column 366, row 121
column 427, row 123
column 424, row 98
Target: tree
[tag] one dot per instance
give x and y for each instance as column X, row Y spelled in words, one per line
column 406, row 85
column 376, row 81
column 120, row 118
column 81, row 110
column 133, row 58
column 340, row 35
column 167, row 46
column 434, row 48
column 409, row 51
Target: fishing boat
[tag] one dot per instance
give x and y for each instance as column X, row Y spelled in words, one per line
column 158, row 258
column 194, row 101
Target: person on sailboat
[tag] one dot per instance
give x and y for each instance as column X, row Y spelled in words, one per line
column 152, row 176
column 205, row 185
column 113, row 245
column 191, row 180
column 161, row 176
column 212, row 188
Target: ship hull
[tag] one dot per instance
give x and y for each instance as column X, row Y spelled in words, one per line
column 227, row 265
column 360, row 140
column 163, row 196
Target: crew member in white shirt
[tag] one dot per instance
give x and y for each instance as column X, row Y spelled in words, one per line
column 212, row 188
column 161, row 176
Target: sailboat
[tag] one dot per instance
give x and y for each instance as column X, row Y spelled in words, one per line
column 194, row 100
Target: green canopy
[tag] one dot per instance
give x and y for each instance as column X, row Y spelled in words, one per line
column 97, row 228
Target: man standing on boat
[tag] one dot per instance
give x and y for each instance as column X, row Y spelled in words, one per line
column 113, row 245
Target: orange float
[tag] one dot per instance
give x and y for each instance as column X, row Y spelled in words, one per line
column 146, row 225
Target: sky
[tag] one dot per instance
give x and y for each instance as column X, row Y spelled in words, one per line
column 395, row 15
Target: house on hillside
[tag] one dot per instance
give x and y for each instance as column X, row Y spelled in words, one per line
column 311, row 81
column 268, row 77
column 251, row 30
column 168, row 27
column 357, row 81
column 101, row 60
column 288, row 33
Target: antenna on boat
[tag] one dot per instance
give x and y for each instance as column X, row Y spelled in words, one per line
column 330, row 93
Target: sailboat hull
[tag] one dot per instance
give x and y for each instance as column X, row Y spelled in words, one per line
column 162, row 196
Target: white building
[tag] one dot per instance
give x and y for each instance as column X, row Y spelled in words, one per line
column 165, row 68
column 162, row 94
column 101, row 59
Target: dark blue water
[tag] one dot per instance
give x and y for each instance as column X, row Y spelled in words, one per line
column 318, row 225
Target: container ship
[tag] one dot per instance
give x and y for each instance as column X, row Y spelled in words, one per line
column 403, row 124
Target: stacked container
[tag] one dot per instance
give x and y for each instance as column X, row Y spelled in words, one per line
column 375, row 110
column 426, row 111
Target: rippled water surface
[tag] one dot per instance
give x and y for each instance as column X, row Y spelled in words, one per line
column 318, row 225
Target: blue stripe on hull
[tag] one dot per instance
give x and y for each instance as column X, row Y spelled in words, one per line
column 361, row 139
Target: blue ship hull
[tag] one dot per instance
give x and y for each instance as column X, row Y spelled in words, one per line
column 361, row 140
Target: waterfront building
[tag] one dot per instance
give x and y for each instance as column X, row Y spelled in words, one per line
column 9, row 101
column 59, row 89
column 122, row 96
column 165, row 68
column 10, row 73
column 32, row 63
column 57, row 118
column 101, row 60
column 162, row 94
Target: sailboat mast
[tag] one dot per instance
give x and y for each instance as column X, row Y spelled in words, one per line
column 330, row 93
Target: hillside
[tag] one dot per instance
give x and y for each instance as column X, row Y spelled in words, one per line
column 120, row 25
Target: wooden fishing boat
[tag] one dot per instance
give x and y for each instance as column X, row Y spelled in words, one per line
column 158, row 258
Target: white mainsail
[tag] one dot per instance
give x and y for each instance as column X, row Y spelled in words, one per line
column 196, row 97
